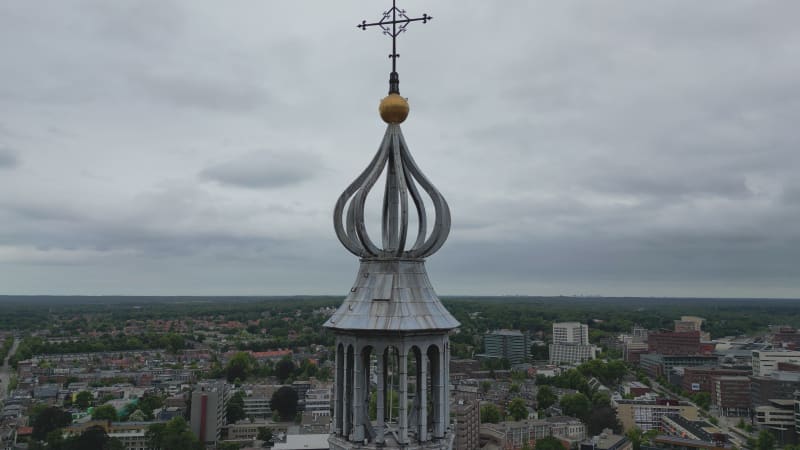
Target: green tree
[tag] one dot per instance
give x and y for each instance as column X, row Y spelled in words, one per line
column 284, row 369
column 600, row 418
column 600, row 399
column 284, row 401
column 235, row 410
column 173, row 435
column 490, row 414
column 83, row 399
column 518, row 409
column 576, row 405
column 549, row 443
column 94, row 438
column 48, row 419
column 240, row 366
column 264, row 434
column 636, row 437
column 545, row 398
column 766, row 441
column 104, row 412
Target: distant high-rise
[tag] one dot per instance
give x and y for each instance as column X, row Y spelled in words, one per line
column 570, row 333
column 209, row 403
column 512, row 345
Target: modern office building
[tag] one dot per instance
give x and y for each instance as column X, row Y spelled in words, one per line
column 766, row 362
column 657, row 365
column 701, row 379
column 647, row 414
column 512, row 345
column 318, row 402
column 731, row 395
column 779, row 385
column 779, row 419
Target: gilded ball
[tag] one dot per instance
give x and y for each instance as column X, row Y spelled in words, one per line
column 393, row 108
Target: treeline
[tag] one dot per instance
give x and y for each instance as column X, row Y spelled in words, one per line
column 609, row 316
column 34, row 345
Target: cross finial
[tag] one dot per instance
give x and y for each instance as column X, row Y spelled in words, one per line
column 394, row 22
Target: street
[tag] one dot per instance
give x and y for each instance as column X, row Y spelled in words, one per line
column 5, row 371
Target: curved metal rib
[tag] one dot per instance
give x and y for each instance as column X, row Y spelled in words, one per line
column 402, row 177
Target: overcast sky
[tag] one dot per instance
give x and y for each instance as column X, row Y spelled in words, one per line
column 642, row 148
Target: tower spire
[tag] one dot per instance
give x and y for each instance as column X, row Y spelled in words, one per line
column 394, row 22
column 392, row 327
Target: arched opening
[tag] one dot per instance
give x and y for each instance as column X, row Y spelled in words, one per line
column 368, row 396
column 417, row 394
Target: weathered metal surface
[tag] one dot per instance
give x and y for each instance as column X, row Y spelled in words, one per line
column 403, row 176
column 392, row 295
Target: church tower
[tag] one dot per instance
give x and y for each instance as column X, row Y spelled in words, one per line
column 392, row 347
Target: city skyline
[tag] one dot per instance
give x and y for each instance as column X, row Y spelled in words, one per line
column 181, row 148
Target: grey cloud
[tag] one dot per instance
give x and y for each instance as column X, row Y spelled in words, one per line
column 196, row 91
column 8, row 159
column 264, row 169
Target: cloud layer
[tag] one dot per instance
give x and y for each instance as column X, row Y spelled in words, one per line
column 617, row 148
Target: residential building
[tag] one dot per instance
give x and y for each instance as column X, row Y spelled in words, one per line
column 209, row 402
column 570, row 333
column 797, row 412
column 571, row 344
column 509, row 344
column 516, row 434
column 467, row 424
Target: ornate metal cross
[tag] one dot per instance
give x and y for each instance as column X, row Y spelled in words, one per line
column 394, row 22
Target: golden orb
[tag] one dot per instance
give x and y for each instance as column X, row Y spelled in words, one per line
column 393, row 108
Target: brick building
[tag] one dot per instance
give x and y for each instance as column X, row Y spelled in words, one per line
column 731, row 395
column 701, row 379
column 674, row 343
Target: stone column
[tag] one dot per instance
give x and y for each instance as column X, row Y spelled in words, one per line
column 339, row 392
column 358, row 428
column 422, row 392
column 380, row 428
column 346, row 392
column 402, row 407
